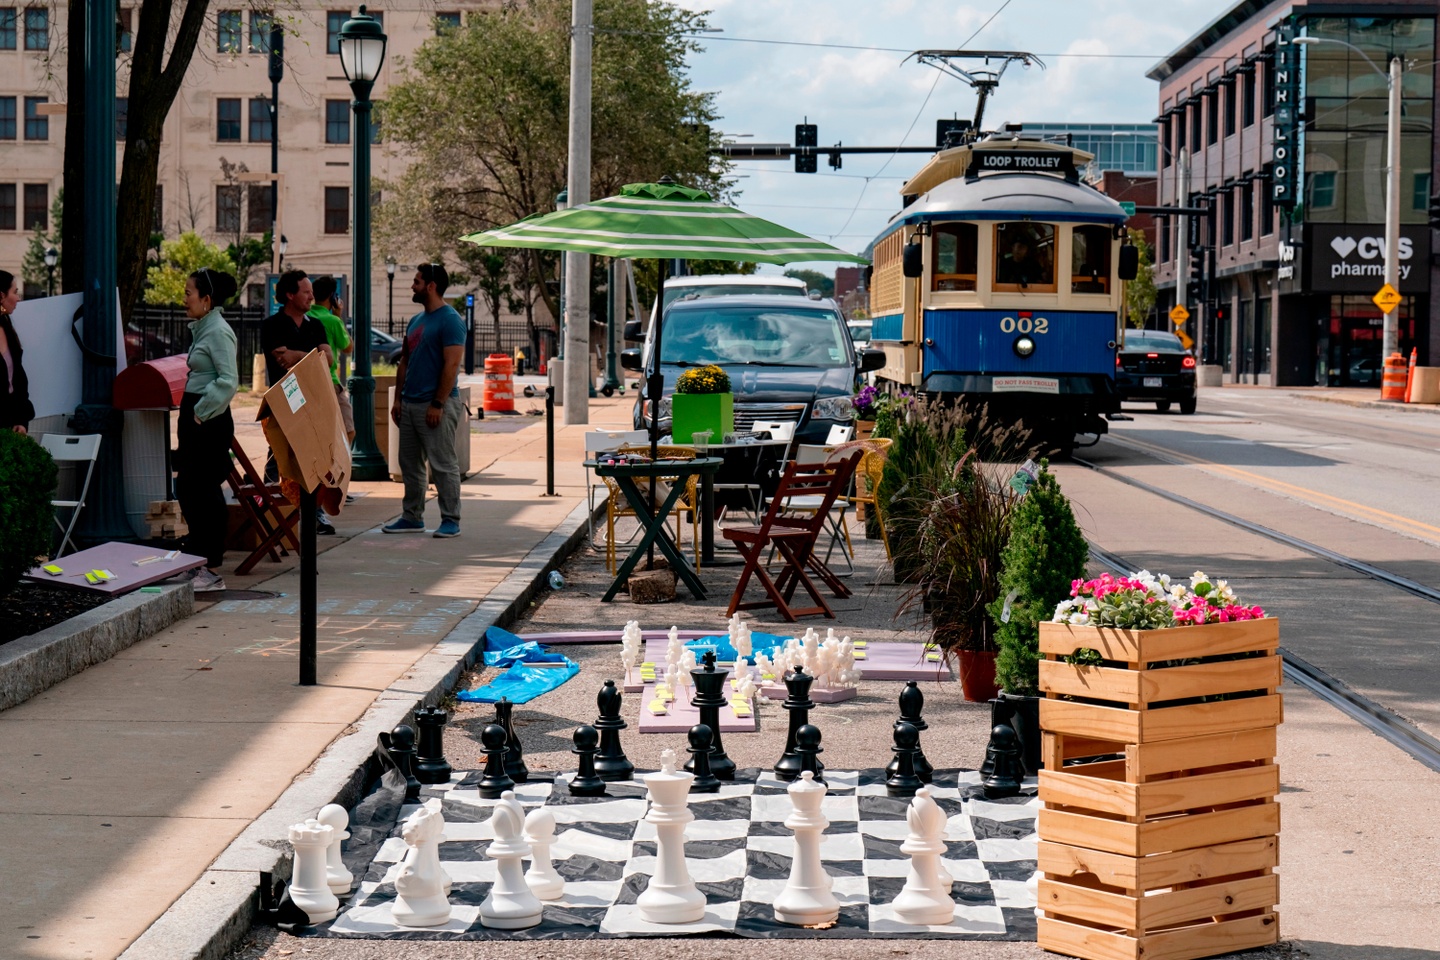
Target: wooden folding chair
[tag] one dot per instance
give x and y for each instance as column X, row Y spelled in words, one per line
column 260, row 502
column 794, row 536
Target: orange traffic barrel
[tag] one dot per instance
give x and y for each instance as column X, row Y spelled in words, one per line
column 499, row 393
column 1392, row 385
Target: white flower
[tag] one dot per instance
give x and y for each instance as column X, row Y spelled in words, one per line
column 1079, row 619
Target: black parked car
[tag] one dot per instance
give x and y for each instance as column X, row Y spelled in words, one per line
column 1155, row 366
column 384, row 348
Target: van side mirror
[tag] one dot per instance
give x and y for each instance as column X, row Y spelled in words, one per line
column 1129, row 262
column 630, row 359
column 871, row 358
column 914, row 260
column 633, row 331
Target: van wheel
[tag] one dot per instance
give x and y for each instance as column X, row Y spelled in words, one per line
column 1187, row 407
column 1163, row 406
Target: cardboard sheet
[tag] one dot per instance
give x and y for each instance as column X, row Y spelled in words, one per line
column 301, row 420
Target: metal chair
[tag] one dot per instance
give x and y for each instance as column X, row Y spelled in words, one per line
column 63, row 449
column 867, row 483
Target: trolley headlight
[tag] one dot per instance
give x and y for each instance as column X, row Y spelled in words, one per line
column 1023, row 346
column 834, row 408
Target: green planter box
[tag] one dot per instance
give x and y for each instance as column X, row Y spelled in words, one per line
column 697, row 412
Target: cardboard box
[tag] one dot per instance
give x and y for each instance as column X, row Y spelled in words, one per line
column 301, row 419
column 1425, row 385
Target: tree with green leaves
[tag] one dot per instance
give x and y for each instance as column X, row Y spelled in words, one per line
column 1140, row 293
column 178, row 259
column 815, row 280
column 32, row 267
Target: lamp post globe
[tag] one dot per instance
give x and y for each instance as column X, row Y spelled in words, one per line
column 362, row 53
column 52, row 257
column 390, row 295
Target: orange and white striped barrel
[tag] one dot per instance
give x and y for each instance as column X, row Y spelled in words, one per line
column 1392, row 385
column 499, row 392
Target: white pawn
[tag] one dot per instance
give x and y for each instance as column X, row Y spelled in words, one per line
column 807, row 898
column 336, row 875
column 925, row 898
column 671, row 896
column 308, row 887
column 542, row 878
column 672, row 681
column 510, row 905
column 420, row 884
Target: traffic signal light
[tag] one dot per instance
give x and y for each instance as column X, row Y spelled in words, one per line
column 807, row 138
column 1435, row 211
column 1197, row 266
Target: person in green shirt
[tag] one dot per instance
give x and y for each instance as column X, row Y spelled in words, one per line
column 327, row 310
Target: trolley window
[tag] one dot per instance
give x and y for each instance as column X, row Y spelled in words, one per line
column 953, row 249
column 1025, row 257
column 1090, row 260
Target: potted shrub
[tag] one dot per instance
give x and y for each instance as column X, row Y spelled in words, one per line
column 702, row 401
column 1043, row 557
column 27, row 484
column 867, row 404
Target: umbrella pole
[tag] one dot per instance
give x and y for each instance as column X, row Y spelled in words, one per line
column 655, row 387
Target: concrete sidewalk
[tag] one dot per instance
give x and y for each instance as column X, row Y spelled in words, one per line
column 125, row 783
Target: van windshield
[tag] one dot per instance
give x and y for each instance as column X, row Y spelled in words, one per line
column 769, row 336
column 731, row 289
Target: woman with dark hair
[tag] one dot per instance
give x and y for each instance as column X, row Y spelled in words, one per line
column 202, row 455
column 16, row 411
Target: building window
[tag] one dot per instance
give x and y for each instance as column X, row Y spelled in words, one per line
column 1247, row 211
column 7, row 206
column 37, row 125
column 1163, row 228
column 1212, row 116
column 7, row 28
column 1180, row 128
column 37, row 207
column 37, row 28
column 1269, row 87
column 260, row 24
column 227, row 208
column 954, row 251
column 125, row 36
column 1230, row 90
column 337, row 209
column 122, row 116
column 260, row 126
column 1165, row 147
column 447, row 21
column 157, row 225
column 1197, row 120
column 1267, row 203
column 1322, row 189
column 7, row 118
column 257, row 208
column 1247, row 96
column 334, row 20
column 1226, row 199
column 1420, row 195
column 227, row 119
column 337, row 121
column 227, row 34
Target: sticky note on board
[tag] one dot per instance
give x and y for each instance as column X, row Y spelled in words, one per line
column 658, row 707
column 53, row 569
column 290, row 386
column 740, row 709
column 860, row 644
column 859, row 654
column 933, row 657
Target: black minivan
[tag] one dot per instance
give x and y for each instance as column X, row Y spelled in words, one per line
column 789, row 360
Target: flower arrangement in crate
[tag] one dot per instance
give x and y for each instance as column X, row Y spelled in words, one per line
column 702, row 402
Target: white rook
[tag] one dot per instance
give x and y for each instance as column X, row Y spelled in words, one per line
column 309, row 888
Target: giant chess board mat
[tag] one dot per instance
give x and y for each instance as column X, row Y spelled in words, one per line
column 738, row 853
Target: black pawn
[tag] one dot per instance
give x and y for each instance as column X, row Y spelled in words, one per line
column 798, row 704
column 494, row 781
column 701, row 743
column 1003, row 768
column 514, row 755
column 912, row 702
column 611, row 763
column 904, row 782
column 808, row 749
column 430, row 763
column 585, row 783
column 709, row 698
column 400, row 745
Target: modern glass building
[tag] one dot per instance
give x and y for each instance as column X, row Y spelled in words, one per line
column 1130, row 148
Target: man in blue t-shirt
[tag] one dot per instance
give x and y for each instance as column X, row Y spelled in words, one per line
column 427, row 408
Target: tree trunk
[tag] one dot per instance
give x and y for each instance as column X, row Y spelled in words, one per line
column 72, row 236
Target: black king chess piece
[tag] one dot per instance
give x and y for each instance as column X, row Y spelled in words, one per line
column 494, row 781
column 798, row 704
column 701, row 743
column 430, row 763
column 611, row 763
column 514, row 755
column 1004, row 768
column 904, row 782
column 398, row 748
column 709, row 698
column 586, row 783
column 912, row 702
column 808, row 749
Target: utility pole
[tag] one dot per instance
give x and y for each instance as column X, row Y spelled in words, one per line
column 577, row 265
column 1390, row 342
column 277, row 73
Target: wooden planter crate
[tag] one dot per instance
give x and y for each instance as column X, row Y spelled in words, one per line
column 1160, row 839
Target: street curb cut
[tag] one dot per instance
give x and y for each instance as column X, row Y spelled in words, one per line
column 209, row 919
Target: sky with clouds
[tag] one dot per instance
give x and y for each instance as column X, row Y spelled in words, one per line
column 1096, row 53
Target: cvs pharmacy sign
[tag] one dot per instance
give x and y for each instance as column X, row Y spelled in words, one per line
column 1351, row 258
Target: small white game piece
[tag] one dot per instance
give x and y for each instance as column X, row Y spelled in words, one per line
column 925, row 898
column 671, row 896
column 632, row 641
column 420, row 885
column 308, row 887
column 510, row 905
column 337, row 819
column 807, row 898
column 542, row 877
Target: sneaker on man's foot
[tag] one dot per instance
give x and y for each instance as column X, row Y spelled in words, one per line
column 404, row 526
column 324, row 527
column 447, row 529
column 207, row 582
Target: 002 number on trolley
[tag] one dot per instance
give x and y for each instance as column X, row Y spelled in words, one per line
column 1024, row 325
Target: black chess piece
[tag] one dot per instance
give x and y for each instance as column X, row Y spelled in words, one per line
column 611, row 763
column 586, row 783
column 798, row 704
column 904, row 783
column 912, row 702
column 1003, row 768
column 398, row 747
column 701, row 743
column 514, row 755
column 709, row 698
column 430, row 763
column 494, row 780
column 808, row 749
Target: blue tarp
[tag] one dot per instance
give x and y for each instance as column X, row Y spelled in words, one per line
column 533, row 669
column 766, row 643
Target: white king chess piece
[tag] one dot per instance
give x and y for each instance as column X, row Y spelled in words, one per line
column 671, row 896
column 807, row 899
column 340, row 879
column 420, row 884
column 925, row 899
column 510, row 904
column 308, row 887
column 542, row 877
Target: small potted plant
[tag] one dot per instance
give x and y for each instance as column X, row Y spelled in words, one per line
column 702, row 402
column 867, row 405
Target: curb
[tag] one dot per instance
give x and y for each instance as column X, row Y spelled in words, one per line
column 209, row 919
column 34, row 664
column 1371, row 404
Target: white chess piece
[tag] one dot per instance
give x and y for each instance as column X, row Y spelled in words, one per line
column 420, row 884
column 687, row 663
column 510, row 905
column 672, row 681
column 745, row 689
column 308, row 887
column 807, row 898
column 337, row 876
column 674, row 647
column 631, row 642
column 925, row 898
column 542, row 877
column 435, row 808
column 764, row 667
column 671, row 896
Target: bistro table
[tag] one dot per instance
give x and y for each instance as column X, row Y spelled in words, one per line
column 748, row 463
column 677, row 472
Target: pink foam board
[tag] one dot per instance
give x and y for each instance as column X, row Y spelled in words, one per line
column 119, row 559
column 682, row 717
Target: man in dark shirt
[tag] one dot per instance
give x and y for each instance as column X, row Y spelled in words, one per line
column 287, row 336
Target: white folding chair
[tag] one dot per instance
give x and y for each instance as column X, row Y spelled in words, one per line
column 840, row 434
column 754, row 492
column 810, row 454
column 603, row 441
column 79, row 449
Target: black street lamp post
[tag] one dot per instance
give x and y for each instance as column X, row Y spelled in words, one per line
column 390, row 294
column 52, row 257
column 362, row 51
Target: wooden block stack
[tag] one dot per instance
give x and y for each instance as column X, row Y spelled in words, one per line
column 1167, row 852
column 165, row 520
